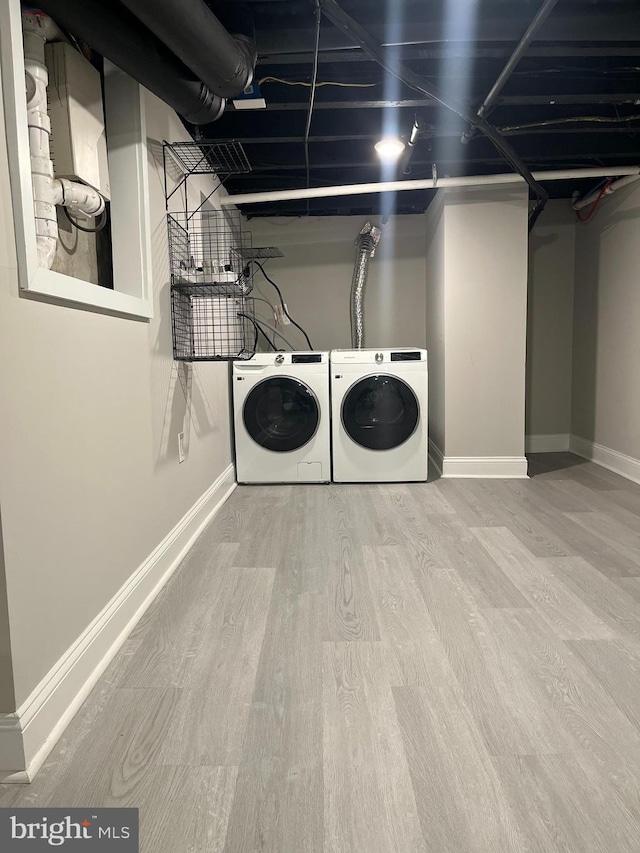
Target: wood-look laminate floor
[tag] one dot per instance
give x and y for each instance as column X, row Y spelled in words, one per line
column 382, row 669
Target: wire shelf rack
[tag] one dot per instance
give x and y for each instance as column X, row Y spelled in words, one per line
column 204, row 157
column 211, row 279
column 210, row 258
column 208, row 326
column 257, row 253
column 210, row 247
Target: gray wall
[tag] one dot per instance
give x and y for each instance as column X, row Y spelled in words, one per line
column 435, row 295
column 7, row 696
column 89, row 475
column 550, row 321
column 315, row 278
column 606, row 357
column 485, row 321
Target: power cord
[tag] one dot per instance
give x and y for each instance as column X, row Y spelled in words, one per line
column 284, row 307
column 272, row 307
column 258, row 328
column 595, row 205
column 312, row 96
column 101, row 222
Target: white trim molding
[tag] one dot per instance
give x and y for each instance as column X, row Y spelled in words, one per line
column 615, row 461
column 490, row 467
column 28, row 735
column 547, row 443
column 127, row 152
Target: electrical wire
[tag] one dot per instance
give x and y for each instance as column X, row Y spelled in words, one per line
column 571, row 120
column 258, row 328
column 318, row 84
column 312, row 96
column 266, row 302
column 407, row 75
column 589, row 73
column 255, row 338
column 284, row 307
column 595, row 204
column 262, row 325
column 595, row 189
column 276, row 332
column 100, row 224
column 255, row 330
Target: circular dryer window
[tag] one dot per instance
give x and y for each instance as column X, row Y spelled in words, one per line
column 281, row 414
column 380, row 412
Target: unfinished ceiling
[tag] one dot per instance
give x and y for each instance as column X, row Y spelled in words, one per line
column 573, row 100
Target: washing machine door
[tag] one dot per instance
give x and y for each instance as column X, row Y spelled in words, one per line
column 281, row 414
column 380, row 412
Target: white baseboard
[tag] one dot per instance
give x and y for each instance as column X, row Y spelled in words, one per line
column 615, row 461
column 492, row 467
column 503, row 467
column 547, row 443
column 29, row 735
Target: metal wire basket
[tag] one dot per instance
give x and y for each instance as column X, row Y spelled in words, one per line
column 210, row 247
column 208, row 326
column 206, row 156
column 211, row 278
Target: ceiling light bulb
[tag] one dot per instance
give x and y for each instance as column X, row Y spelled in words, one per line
column 389, row 149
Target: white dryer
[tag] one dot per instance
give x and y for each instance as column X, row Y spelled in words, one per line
column 379, row 415
column 281, row 418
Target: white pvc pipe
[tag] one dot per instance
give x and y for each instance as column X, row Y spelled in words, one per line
column 44, row 200
column 425, row 184
column 593, row 197
column 47, row 190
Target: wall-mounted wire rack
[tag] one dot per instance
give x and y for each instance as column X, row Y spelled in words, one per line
column 182, row 160
column 208, row 326
column 210, row 256
column 210, row 247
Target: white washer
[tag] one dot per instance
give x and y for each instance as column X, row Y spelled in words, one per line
column 379, row 415
column 281, row 417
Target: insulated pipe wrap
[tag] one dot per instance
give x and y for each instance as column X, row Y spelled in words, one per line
column 44, row 197
column 366, row 244
column 189, row 28
column 119, row 36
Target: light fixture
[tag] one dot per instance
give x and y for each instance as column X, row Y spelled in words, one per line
column 389, row 150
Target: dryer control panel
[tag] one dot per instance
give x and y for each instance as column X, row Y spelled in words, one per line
column 406, row 355
column 304, row 358
column 411, row 357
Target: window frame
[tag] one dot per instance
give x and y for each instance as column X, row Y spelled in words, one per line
column 132, row 295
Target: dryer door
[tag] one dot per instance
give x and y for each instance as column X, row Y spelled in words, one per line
column 281, row 414
column 380, row 412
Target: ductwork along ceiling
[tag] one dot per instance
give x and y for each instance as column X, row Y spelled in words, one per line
column 570, row 98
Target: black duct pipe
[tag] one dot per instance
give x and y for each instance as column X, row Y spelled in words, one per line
column 121, row 38
column 189, row 28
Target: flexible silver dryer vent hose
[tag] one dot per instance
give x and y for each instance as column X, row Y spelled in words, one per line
column 366, row 244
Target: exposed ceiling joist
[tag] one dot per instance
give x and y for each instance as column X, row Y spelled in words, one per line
column 583, row 64
column 427, row 103
column 579, row 129
column 456, row 51
column 591, row 25
column 589, row 158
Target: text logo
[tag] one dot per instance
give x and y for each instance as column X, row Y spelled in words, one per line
column 86, row 830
